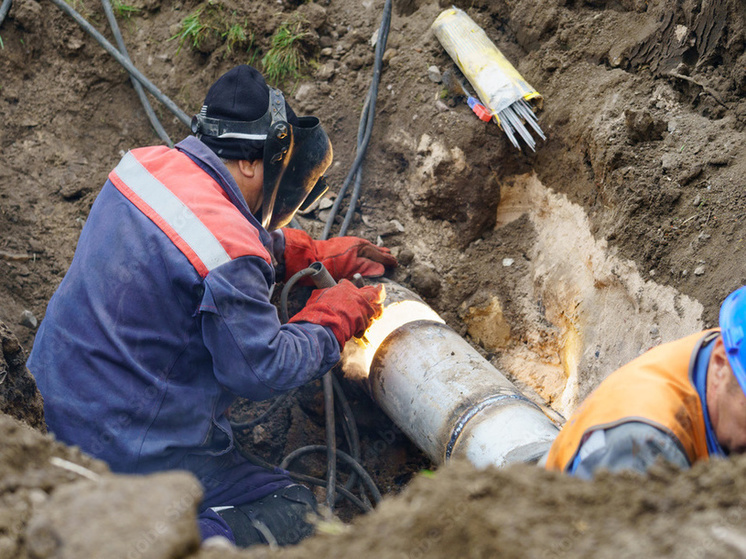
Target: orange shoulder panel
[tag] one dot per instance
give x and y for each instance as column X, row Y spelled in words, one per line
column 205, row 198
column 655, row 388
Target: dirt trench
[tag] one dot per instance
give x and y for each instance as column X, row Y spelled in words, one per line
column 622, row 231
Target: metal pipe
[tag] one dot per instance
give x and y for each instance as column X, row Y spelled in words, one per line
column 448, row 399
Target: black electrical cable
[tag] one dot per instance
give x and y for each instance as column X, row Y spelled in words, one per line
column 365, row 130
column 286, row 289
column 331, row 440
column 302, row 477
column 4, row 9
column 154, row 122
column 368, row 116
column 349, row 427
column 108, row 47
column 354, row 464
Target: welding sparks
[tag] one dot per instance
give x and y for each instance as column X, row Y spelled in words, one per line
column 358, row 353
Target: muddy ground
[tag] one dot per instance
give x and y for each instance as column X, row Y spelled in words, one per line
column 623, row 230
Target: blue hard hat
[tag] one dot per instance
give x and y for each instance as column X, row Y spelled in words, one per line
column 733, row 328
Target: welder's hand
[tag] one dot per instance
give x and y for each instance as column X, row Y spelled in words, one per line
column 346, row 309
column 342, row 256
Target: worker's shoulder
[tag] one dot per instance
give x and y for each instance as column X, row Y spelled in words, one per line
column 189, row 205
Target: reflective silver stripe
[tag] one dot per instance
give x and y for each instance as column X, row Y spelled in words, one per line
column 241, row 136
column 173, row 211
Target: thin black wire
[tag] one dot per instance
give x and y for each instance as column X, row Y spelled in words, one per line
column 108, row 47
column 329, row 420
column 4, row 8
column 302, row 477
column 331, row 440
column 368, row 116
column 354, row 464
column 365, row 129
column 286, row 289
column 154, row 122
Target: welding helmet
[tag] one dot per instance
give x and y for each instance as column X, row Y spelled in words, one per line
column 295, row 150
column 732, row 329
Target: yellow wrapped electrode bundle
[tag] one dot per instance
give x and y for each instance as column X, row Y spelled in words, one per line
column 498, row 84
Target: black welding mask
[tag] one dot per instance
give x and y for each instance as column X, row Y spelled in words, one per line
column 295, row 156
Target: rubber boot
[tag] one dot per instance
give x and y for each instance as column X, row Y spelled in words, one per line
column 280, row 518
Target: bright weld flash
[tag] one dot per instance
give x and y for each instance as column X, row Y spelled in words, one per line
column 359, row 352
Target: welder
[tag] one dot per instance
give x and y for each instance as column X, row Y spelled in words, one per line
column 680, row 402
column 164, row 317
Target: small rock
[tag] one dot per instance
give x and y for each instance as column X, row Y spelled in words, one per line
column 29, row 320
column 697, row 200
column 326, row 71
column 426, row 281
column 507, row 262
column 643, row 127
column 397, row 224
column 313, row 13
column 699, row 270
column 325, row 203
column 355, row 62
column 433, row 73
column 652, row 273
column 668, row 162
column 389, row 54
column 260, row 434
column 326, row 52
column 405, row 257
column 305, row 92
column 441, row 106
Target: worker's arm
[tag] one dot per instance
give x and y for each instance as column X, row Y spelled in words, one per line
column 630, row 446
column 255, row 356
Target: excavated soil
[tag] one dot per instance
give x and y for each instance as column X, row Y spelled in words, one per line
column 623, row 230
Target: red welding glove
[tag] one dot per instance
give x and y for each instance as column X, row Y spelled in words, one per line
column 342, row 256
column 346, row 309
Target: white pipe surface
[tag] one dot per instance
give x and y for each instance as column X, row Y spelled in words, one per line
column 448, row 399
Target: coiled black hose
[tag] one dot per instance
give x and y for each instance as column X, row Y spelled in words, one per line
column 354, row 464
column 302, row 477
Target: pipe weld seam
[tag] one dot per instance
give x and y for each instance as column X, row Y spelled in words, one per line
column 474, row 410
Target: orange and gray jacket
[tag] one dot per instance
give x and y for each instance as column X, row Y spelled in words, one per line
column 656, row 392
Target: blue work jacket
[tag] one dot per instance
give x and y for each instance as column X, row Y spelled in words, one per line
column 164, row 317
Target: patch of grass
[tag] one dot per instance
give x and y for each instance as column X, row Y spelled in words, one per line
column 285, row 57
column 124, row 10
column 236, row 34
column 192, row 30
column 211, row 26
